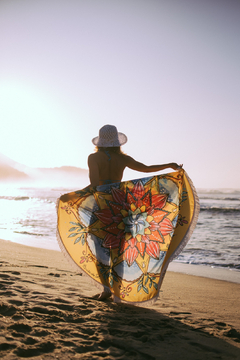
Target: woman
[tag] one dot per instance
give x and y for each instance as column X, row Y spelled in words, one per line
column 106, row 166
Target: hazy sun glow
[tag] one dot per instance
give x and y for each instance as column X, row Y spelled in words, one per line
column 166, row 73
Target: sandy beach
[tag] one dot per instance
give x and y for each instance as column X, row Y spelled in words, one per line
column 46, row 313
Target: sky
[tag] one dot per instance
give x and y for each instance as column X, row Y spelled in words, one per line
column 165, row 72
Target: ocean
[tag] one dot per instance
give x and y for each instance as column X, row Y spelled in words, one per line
column 28, row 216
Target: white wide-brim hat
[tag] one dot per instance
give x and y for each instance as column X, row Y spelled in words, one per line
column 109, row 137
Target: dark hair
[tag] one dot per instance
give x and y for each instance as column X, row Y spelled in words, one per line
column 113, row 149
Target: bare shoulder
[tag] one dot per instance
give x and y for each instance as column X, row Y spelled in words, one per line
column 95, row 155
column 93, row 158
column 123, row 159
column 135, row 165
column 129, row 160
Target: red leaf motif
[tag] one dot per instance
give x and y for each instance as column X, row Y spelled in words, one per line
column 141, row 247
column 112, row 228
column 152, row 249
column 150, row 210
column 111, row 242
column 146, row 200
column 130, row 199
column 166, row 226
column 126, row 206
column 117, row 219
column 121, row 234
column 138, row 190
column 116, row 208
column 105, row 216
column 131, row 255
column 159, row 201
column 118, row 195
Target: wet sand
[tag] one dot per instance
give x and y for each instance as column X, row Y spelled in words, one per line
column 46, row 313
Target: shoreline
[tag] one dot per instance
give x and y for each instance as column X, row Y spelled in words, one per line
column 47, row 312
column 217, row 273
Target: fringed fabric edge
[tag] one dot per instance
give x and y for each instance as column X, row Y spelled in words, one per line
column 193, row 224
column 179, row 249
column 70, row 260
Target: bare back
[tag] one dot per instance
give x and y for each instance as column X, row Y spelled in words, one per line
column 106, row 167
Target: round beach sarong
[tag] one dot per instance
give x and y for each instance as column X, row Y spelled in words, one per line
column 124, row 235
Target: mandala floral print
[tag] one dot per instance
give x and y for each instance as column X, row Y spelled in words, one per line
column 135, row 222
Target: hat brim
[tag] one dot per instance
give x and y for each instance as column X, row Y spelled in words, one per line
column 122, row 139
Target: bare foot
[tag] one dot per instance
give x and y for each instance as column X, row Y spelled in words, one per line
column 104, row 295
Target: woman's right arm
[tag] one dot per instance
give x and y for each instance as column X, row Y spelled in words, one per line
column 135, row 165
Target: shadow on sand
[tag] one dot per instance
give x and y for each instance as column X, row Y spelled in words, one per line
column 42, row 316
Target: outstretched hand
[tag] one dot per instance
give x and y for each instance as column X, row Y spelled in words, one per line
column 175, row 166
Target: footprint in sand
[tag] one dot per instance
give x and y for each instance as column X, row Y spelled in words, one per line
column 43, row 348
column 7, row 310
column 20, row 328
column 16, row 302
column 234, row 334
column 6, row 346
column 56, row 275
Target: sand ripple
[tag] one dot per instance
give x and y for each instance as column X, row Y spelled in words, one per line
column 46, row 313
